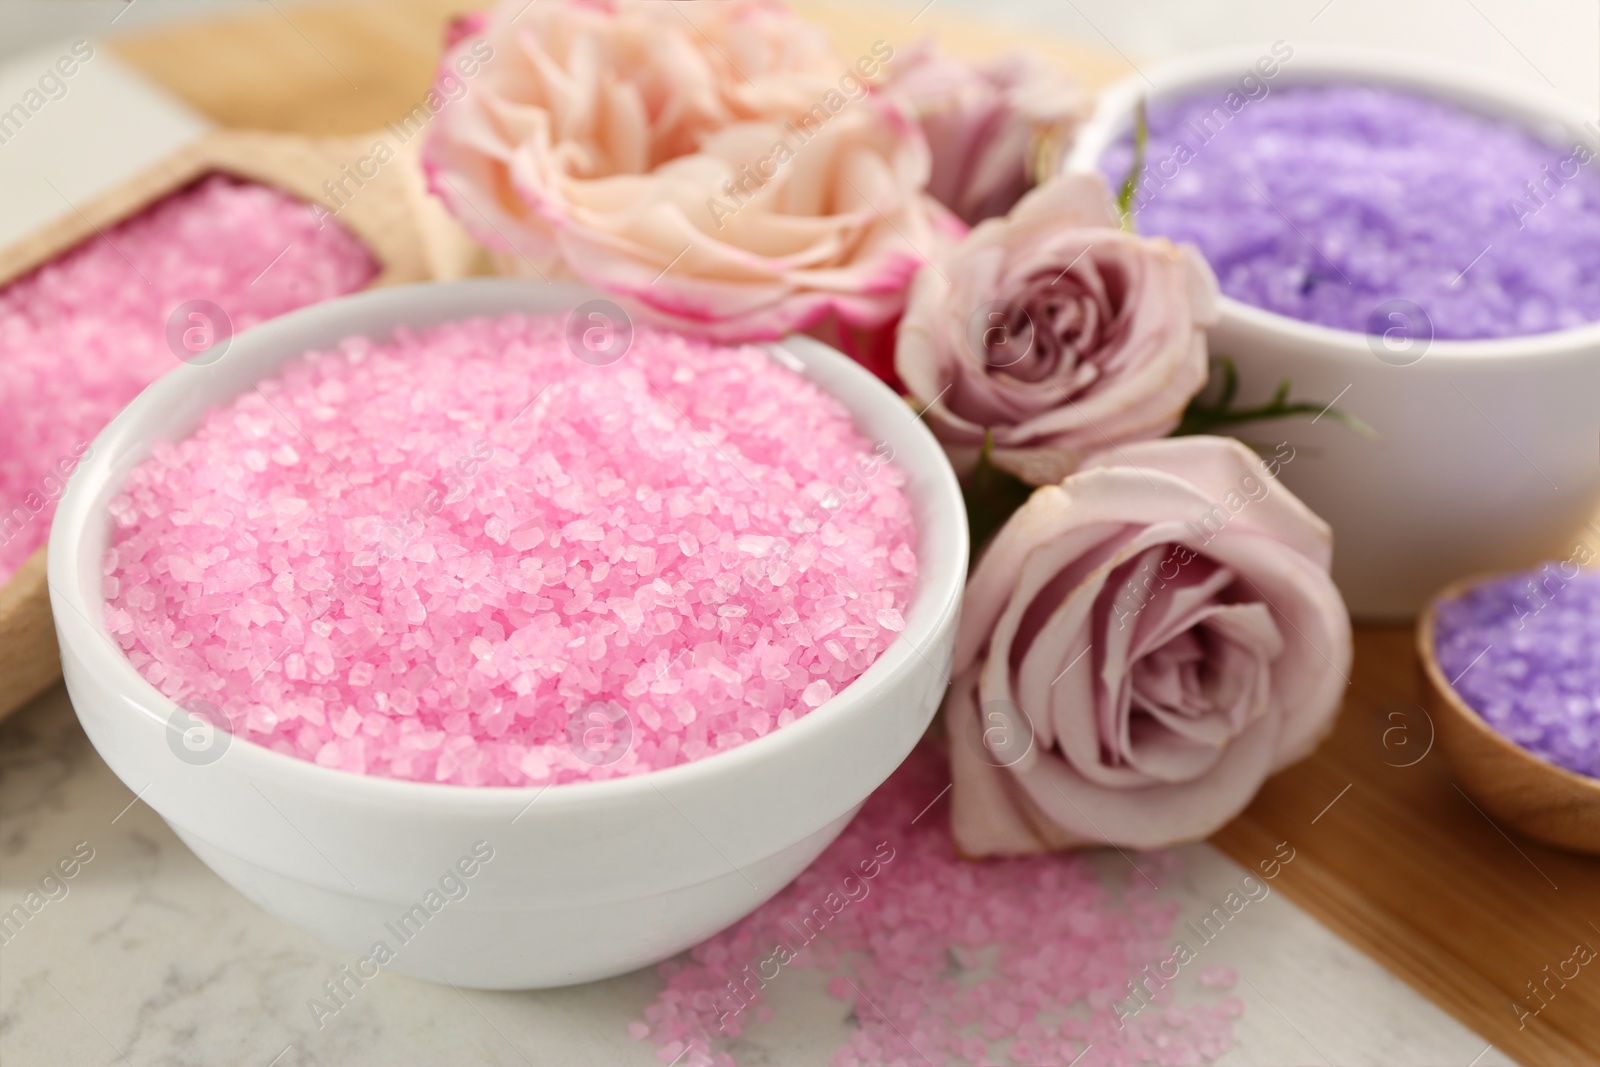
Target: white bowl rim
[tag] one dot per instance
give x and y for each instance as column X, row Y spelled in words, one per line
column 936, row 599
column 1485, row 92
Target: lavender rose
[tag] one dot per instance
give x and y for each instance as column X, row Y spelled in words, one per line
column 1140, row 647
column 1057, row 333
column 987, row 124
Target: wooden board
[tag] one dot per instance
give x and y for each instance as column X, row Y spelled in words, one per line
column 1405, row 866
column 1401, row 863
column 339, row 68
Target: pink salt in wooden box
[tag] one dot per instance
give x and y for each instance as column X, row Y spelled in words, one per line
column 385, row 211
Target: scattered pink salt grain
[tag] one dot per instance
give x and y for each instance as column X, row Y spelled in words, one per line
column 477, row 559
column 82, row 335
column 943, row 961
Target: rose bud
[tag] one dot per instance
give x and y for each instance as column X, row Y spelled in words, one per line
column 987, row 124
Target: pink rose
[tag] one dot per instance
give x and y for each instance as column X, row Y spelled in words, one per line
column 1057, row 333
column 988, row 124
column 734, row 177
column 1140, row 647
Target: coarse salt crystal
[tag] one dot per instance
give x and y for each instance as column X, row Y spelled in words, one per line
column 1524, row 652
column 1374, row 209
column 942, row 960
column 609, row 559
column 83, row 334
column 817, row 693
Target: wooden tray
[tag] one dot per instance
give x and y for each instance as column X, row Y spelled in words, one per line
column 409, row 242
column 1391, row 856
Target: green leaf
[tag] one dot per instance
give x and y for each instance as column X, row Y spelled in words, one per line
column 1230, row 382
column 1130, row 184
column 992, row 496
column 1210, row 417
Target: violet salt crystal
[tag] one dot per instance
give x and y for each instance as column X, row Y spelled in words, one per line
column 83, row 334
column 1525, row 654
column 465, row 555
column 1324, row 202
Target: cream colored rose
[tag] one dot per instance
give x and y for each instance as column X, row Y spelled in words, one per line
column 733, row 176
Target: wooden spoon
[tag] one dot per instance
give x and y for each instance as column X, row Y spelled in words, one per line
column 1539, row 799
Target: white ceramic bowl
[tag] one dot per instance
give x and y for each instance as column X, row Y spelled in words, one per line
column 586, row 880
column 1487, row 458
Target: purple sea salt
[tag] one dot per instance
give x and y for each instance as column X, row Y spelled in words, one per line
column 1324, row 202
column 1525, row 654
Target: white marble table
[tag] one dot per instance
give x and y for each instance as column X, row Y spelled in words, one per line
column 150, row 959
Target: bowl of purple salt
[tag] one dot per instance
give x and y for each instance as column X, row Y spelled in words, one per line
column 1512, row 665
column 1415, row 242
column 500, row 640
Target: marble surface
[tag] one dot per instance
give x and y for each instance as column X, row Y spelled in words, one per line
column 150, row 959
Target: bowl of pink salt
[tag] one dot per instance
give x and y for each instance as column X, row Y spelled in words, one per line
column 498, row 640
column 1415, row 242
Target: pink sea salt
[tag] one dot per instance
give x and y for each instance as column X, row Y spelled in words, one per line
column 83, row 334
column 942, row 961
column 465, row 555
